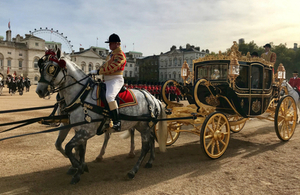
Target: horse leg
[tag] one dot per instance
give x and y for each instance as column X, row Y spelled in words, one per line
column 132, row 146
column 61, row 137
column 99, row 158
column 145, row 148
column 79, row 141
column 152, row 153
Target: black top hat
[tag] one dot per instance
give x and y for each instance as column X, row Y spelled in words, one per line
column 113, row 38
column 267, row 45
column 296, row 72
column 254, row 54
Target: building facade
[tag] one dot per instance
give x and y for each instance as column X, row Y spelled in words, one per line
column 20, row 55
column 89, row 59
column 170, row 63
column 130, row 68
column 147, row 69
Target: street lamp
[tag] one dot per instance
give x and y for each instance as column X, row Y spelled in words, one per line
column 185, row 71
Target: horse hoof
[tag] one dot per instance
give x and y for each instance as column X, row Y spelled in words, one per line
column 72, row 171
column 75, row 180
column 131, row 175
column 98, row 159
column 148, row 165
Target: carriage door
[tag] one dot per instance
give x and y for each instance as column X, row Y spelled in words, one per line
column 256, row 89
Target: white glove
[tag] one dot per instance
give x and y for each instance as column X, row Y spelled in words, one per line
column 94, row 72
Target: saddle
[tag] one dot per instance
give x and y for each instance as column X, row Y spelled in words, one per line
column 124, row 98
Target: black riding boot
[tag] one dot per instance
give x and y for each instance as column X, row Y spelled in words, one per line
column 116, row 120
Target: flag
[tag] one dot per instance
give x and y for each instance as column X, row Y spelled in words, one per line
column 80, row 45
column 9, row 25
column 125, row 46
column 97, row 38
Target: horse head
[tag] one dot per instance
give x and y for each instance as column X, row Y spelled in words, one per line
column 52, row 70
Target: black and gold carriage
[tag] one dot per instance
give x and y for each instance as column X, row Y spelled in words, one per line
column 224, row 91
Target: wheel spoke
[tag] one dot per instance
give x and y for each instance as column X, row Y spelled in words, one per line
column 223, row 142
column 213, row 148
column 210, row 142
column 218, row 147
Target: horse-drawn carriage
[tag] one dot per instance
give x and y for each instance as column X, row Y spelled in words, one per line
column 224, row 91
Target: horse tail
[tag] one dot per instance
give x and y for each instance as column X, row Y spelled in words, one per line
column 162, row 129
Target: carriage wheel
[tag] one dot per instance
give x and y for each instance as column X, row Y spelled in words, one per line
column 285, row 118
column 172, row 134
column 215, row 134
column 239, row 127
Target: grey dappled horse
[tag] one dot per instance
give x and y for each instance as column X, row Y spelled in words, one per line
column 68, row 79
column 292, row 92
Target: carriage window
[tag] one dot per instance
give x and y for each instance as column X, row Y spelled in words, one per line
column 268, row 78
column 256, row 77
column 212, row 72
column 242, row 80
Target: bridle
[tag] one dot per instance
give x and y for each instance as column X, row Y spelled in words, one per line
column 53, row 68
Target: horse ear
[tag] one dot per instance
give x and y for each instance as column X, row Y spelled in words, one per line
column 58, row 53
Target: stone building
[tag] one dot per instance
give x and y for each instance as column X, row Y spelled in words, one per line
column 21, row 55
column 130, row 68
column 89, row 59
column 147, row 68
column 170, row 63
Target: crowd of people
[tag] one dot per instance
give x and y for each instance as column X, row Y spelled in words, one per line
column 17, row 83
column 154, row 88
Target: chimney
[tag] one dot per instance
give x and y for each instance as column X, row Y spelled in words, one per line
column 81, row 49
column 8, row 35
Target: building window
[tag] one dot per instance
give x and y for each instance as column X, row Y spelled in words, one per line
column 20, row 64
column 169, row 76
column 9, row 63
column 9, row 52
column 36, row 78
column 175, row 62
column 36, row 44
column 126, row 73
column 130, row 73
column 1, row 64
column 174, row 75
column 82, row 68
column 35, row 63
column 90, row 67
column 170, row 62
column 20, row 54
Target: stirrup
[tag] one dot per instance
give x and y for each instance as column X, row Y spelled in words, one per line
column 117, row 126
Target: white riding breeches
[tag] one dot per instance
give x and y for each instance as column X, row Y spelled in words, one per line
column 114, row 84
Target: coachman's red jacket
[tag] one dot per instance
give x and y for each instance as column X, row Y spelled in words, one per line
column 115, row 63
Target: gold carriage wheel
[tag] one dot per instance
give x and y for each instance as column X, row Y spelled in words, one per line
column 236, row 128
column 215, row 134
column 285, row 118
column 172, row 134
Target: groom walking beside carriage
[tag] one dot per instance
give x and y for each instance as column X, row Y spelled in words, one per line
column 112, row 70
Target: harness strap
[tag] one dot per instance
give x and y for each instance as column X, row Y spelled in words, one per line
column 80, row 97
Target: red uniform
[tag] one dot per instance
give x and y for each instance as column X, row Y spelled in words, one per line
column 295, row 83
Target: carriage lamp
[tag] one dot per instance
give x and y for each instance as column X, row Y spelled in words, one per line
column 281, row 71
column 185, row 71
column 234, row 69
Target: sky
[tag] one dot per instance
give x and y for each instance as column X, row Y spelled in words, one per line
column 154, row 26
